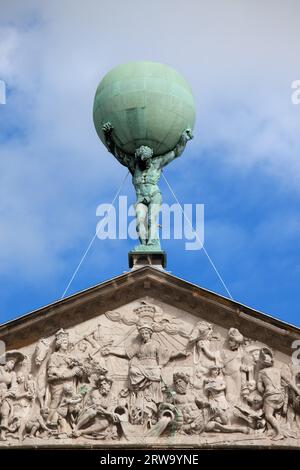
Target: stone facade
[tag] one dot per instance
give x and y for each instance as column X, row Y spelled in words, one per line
column 147, row 359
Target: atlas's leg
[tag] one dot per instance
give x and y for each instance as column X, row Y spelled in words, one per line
column 141, row 222
column 154, row 208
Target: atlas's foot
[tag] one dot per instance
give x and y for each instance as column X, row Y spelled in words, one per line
column 150, row 247
column 142, row 247
column 154, row 244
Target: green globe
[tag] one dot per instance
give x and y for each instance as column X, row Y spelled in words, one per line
column 147, row 103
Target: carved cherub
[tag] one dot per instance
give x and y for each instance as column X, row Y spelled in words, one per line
column 220, row 410
column 201, row 337
column 68, row 409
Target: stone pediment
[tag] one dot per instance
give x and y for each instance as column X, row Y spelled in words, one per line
column 148, row 359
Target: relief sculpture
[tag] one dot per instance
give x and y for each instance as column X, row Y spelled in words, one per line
column 148, row 376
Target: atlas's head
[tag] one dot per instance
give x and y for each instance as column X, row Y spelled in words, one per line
column 144, row 153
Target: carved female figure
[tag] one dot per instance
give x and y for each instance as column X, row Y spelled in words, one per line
column 232, row 359
column 146, row 358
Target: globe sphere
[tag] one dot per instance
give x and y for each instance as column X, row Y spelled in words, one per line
column 147, row 103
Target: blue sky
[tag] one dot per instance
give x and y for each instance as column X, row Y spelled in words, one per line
column 240, row 58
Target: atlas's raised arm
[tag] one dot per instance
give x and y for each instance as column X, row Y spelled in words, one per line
column 177, row 151
column 121, row 156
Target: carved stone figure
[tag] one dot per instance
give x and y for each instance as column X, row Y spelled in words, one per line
column 201, row 338
column 232, row 359
column 271, row 384
column 146, row 170
column 146, row 357
column 87, row 346
column 189, row 417
column 23, row 401
column 67, row 410
column 35, row 427
column 253, row 352
column 62, row 370
column 193, row 412
column 251, row 410
column 98, row 417
column 40, row 359
column 293, row 409
column 219, row 408
column 8, row 390
column 150, row 377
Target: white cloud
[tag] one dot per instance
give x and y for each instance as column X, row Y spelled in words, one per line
column 240, row 58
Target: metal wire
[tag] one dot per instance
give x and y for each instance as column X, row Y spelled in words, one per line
column 196, row 235
column 94, row 238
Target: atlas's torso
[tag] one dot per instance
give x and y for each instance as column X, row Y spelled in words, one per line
column 147, row 176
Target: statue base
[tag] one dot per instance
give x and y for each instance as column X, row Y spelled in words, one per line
column 138, row 259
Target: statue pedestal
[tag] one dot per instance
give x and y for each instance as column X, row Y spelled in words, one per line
column 138, row 259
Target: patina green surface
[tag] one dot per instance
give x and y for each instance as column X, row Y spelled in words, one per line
column 146, row 171
column 148, row 103
column 144, row 113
